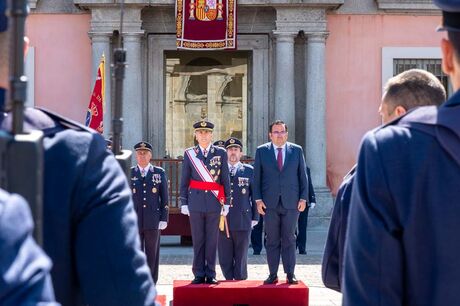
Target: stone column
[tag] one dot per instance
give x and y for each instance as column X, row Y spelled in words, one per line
column 315, row 115
column 132, row 91
column 100, row 44
column 284, row 80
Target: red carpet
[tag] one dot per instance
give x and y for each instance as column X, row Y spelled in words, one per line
column 239, row 293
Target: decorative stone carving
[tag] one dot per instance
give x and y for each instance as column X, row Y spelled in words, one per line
column 307, row 19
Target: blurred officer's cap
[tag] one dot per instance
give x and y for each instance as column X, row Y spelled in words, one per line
column 450, row 13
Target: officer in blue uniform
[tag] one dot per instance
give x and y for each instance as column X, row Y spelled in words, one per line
column 24, row 268
column 150, row 195
column 405, row 91
column 301, row 240
column 242, row 216
column 402, row 244
column 219, row 143
column 89, row 222
column 205, row 196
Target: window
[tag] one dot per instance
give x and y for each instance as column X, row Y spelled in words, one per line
column 199, row 85
column 396, row 60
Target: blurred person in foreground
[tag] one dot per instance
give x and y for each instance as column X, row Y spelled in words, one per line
column 402, row 244
column 89, row 223
column 407, row 90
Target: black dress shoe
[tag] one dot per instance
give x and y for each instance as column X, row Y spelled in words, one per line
column 211, row 280
column 291, row 279
column 198, row 280
column 256, row 253
column 271, row 279
column 303, row 252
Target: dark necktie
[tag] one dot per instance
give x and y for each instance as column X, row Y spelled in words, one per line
column 143, row 173
column 279, row 158
column 205, row 152
column 232, row 170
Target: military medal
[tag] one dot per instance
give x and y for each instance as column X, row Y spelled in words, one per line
column 243, row 191
column 134, row 190
column 212, row 171
column 154, row 190
column 216, row 178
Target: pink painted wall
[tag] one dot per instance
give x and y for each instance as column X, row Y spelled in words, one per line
column 354, row 77
column 62, row 62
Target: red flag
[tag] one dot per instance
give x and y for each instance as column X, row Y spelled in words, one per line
column 95, row 113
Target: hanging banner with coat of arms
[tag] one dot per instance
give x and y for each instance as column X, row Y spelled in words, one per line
column 206, row 24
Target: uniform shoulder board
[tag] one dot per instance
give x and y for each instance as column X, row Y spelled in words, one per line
column 248, row 166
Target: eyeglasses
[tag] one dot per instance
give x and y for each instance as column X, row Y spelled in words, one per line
column 279, row 132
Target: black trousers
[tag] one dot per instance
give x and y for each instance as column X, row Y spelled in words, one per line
column 233, row 254
column 302, row 231
column 205, row 230
column 150, row 244
column 256, row 235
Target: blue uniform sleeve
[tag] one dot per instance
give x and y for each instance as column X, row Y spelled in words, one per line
column 255, row 213
column 185, row 180
column 111, row 267
column 302, row 174
column 24, row 268
column 373, row 266
column 257, row 177
column 164, row 194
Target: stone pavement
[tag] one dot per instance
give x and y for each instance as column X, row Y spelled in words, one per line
column 176, row 263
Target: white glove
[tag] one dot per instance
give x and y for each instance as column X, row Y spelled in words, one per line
column 184, row 210
column 162, row 225
column 224, row 211
column 312, row 205
column 254, row 223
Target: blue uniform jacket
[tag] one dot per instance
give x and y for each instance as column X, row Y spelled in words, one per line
column 243, row 209
column 332, row 265
column 402, row 246
column 202, row 200
column 150, row 196
column 90, row 226
column 291, row 183
column 24, row 268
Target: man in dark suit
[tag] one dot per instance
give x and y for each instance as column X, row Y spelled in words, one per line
column 204, row 196
column 301, row 240
column 150, row 195
column 24, row 267
column 242, row 216
column 407, row 90
column 281, row 192
column 89, row 223
column 402, row 244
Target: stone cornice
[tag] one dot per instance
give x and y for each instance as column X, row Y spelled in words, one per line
column 105, row 20
column 408, row 6
column 329, row 4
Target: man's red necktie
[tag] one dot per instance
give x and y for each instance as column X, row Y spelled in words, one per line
column 279, row 158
